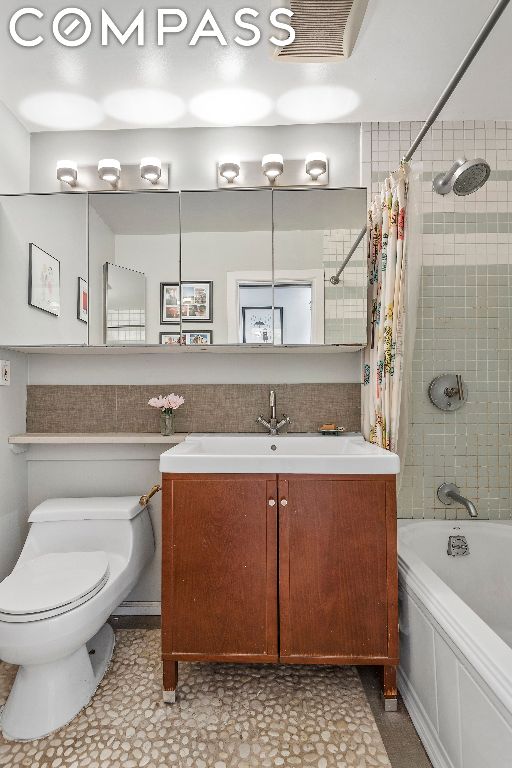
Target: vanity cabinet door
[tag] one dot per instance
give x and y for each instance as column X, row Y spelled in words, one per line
column 337, row 569
column 219, row 590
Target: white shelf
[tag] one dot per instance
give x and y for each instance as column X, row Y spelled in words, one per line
column 91, row 438
column 162, row 349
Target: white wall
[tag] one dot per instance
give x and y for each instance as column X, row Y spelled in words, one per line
column 197, row 368
column 14, row 178
column 58, row 225
column 14, row 154
column 194, row 152
column 13, row 468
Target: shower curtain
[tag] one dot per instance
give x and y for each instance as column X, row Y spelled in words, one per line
column 383, row 365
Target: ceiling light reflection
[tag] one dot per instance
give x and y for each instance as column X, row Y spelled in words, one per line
column 62, row 111
column 140, row 106
column 231, row 106
column 317, row 104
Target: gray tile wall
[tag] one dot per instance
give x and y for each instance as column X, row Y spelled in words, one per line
column 464, row 316
column 345, row 303
column 207, row 408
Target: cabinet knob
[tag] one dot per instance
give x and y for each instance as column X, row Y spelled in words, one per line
column 284, row 502
column 271, row 502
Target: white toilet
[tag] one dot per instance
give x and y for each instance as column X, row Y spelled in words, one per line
column 81, row 559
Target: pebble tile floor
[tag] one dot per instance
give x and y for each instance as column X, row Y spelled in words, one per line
column 227, row 716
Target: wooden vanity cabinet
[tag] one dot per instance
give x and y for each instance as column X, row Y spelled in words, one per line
column 296, row 569
column 219, row 585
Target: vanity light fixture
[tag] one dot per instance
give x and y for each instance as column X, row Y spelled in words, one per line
column 151, row 169
column 229, row 170
column 316, row 165
column 67, row 172
column 109, row 170
column 272, row 166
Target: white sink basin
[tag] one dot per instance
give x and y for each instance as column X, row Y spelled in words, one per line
column 286, row 454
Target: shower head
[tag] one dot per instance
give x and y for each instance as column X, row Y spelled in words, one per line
column 464, row 177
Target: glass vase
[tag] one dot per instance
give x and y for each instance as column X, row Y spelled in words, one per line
column 167, row 423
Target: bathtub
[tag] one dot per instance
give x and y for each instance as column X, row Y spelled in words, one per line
column 455, row 673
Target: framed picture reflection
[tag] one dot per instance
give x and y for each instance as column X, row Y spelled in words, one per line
column 195, row 304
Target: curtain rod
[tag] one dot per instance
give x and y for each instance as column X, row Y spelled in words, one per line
column 443, row 99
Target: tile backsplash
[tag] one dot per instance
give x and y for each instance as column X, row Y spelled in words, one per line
column 207, row 408
column 464, row 316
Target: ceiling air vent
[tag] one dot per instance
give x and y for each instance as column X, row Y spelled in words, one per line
column 324, row 29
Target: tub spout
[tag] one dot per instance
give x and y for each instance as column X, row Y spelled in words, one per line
column 448, row 492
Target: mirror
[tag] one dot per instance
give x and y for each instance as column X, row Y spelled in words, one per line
column 134, row 248
column 223, row 267
column 314, row 230
column 43, row 262
column 125, row 305
column 226, row 266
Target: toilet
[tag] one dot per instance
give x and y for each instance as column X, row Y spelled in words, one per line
column 81, row 559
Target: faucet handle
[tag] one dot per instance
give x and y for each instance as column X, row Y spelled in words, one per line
column 285, row 420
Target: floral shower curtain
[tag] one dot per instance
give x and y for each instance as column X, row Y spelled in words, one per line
column 383, row 358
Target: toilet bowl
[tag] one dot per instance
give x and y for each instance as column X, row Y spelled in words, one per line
column 81, row 559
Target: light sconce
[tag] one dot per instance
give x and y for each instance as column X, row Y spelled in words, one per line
column 151, row 169
column 316, row 165
column 229, row 170
column 67, row 172
column 272, row 166
column 109, row 170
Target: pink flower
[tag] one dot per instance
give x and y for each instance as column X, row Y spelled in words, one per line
column 157, row 402
column 167, row 402
column 173, row 401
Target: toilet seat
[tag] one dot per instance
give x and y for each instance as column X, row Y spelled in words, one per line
column 52, row 584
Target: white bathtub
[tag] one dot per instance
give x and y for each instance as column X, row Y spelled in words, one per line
column 455, row 673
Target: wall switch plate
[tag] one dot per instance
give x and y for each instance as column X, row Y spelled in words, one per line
column 5, row 373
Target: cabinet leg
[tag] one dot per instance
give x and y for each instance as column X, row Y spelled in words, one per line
column 389, row 689
column 170, row 681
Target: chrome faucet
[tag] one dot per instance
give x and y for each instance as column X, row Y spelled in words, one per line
column 273, row 425
column 448, row 492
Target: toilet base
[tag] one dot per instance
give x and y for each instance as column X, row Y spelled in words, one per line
column 45, row 697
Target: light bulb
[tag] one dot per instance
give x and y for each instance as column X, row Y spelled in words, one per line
column 316, row 165
column 151, row 169
column 67, row 172
column 272, row 166
column 229, row 170
column 109, row 170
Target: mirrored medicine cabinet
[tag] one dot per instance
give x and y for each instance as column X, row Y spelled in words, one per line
column 182, row 269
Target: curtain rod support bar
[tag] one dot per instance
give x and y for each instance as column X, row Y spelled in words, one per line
column 440, row 104
column 459, row 74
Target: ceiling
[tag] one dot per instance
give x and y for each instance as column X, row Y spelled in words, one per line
column 405, row 54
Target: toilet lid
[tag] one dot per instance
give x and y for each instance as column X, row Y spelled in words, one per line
column 52, row 581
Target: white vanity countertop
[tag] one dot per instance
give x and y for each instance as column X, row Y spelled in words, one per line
column 92, row 438
column 286, row 454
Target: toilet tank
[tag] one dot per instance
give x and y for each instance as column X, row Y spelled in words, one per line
column 94, row 508
column 118, row 525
